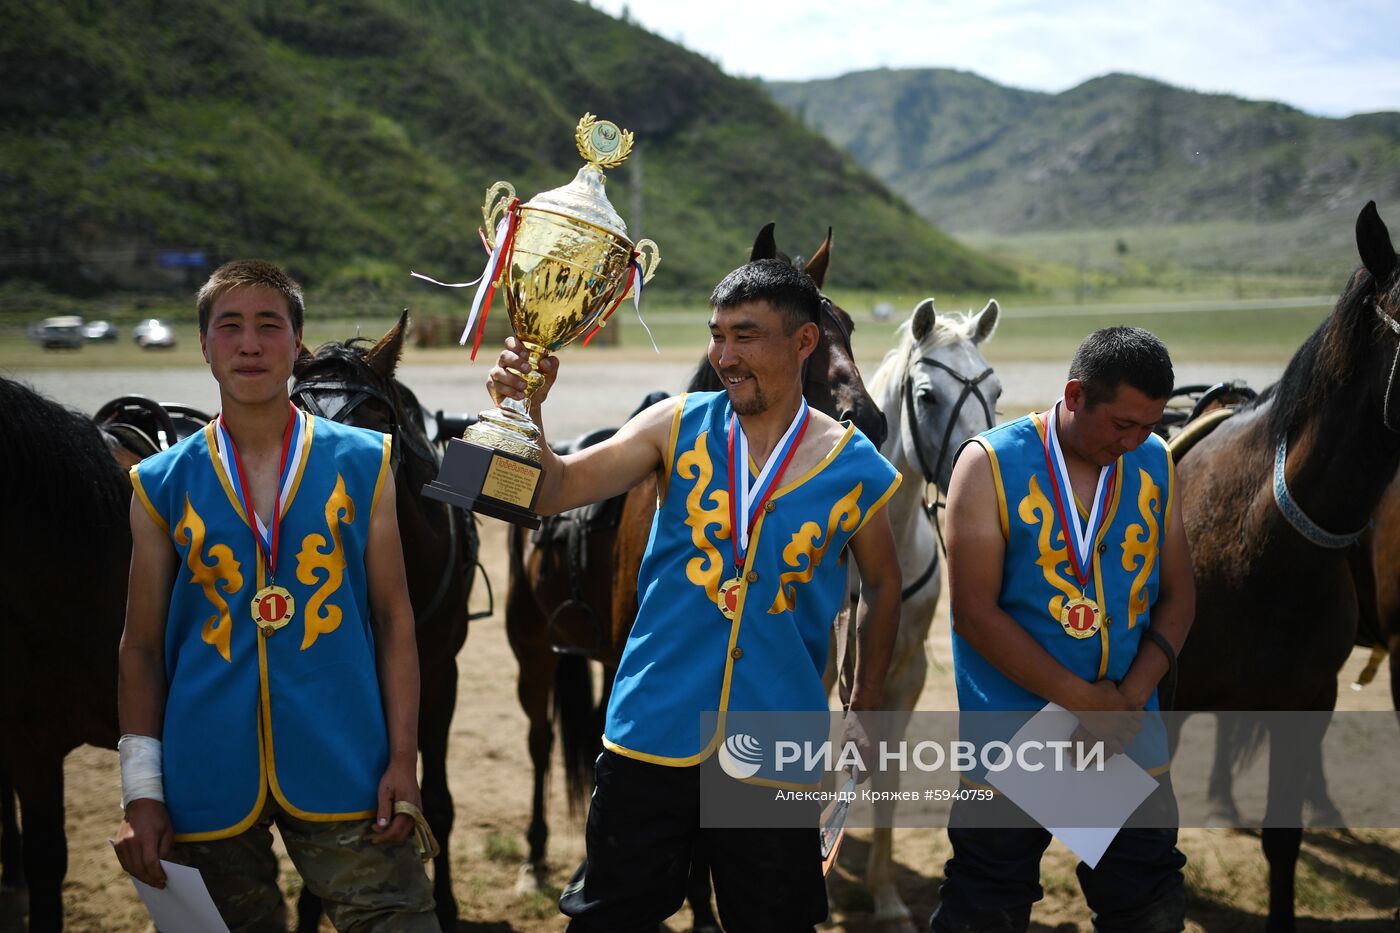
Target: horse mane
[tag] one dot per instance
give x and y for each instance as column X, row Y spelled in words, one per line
column 61, row 475
column 947, row 329
column 1324, row 360
column 348, row 352
column 351, row 353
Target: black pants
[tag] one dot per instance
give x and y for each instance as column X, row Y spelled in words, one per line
column 643, row 831
column 993, row 877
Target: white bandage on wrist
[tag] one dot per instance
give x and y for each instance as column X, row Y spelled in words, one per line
column 141, row 768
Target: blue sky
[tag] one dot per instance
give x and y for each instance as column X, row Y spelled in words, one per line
column 1330, row 58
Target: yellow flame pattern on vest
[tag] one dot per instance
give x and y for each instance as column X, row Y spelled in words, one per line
column 695, row 464
column 223, row 574
column 845, row 514
column 313, row 561
column 1035, row 509
column 1140, row 543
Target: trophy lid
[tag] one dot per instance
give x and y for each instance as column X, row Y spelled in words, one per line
column 604, row 145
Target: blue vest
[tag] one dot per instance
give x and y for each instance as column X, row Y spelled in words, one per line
column 683, row 656
column 297, row 713
column 1036, row 574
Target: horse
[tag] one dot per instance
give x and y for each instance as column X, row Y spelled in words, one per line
column 353, row 382
column 1272, row 499
column 923, row 387
column 572, row 595
column 67, row 539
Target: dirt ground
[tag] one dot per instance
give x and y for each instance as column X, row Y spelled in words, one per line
column 1347, row 879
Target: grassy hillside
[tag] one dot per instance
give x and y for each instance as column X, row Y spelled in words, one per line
column 353, row 140
column 1118, row 153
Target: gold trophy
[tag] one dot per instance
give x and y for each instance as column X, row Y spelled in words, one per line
column 565, row 263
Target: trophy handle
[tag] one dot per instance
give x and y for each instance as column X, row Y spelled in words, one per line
column 498, row 198
column 649, row 256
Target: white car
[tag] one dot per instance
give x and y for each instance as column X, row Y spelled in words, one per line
column 152, row 334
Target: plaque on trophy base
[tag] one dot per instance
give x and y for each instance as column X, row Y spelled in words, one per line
column 489, row 481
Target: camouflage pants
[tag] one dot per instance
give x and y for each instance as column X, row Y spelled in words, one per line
column 364, row 887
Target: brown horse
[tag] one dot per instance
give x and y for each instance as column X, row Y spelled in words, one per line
column 1272, row 500
column 353, row 383
column 573, row 585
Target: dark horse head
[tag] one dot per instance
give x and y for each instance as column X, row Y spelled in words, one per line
column 831, row 381
column 1350, row 366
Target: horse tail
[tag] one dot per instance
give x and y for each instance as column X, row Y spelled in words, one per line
column 576, row 718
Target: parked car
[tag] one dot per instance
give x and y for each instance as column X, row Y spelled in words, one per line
column 58, row 333
column 100, row 330
column 153, row 334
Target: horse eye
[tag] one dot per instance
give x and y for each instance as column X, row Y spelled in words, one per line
column 927, row 396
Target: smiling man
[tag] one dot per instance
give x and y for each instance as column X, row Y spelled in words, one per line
column 268, row 668
column 759, row 497
column 1071, row 583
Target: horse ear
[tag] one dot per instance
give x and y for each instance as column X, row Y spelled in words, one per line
column 1373, row 242
column 764, row 246
column 987, row 322
column 922, row 323
column 383, row 357
column 816, row 266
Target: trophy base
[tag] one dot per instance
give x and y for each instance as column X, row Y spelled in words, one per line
column 488, row 481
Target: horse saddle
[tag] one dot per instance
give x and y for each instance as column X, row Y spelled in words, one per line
column 1211, row 405
column 571, row 530
column 142, row 426
column 559, row 529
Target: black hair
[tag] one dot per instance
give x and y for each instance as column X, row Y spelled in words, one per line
column 250, row 273
column 1113, row 356
column 787, row 290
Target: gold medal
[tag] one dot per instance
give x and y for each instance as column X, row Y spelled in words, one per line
column 728, row 599
column 1080, row 617
column 272, row 608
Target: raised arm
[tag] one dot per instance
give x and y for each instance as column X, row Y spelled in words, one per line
column 598, row 472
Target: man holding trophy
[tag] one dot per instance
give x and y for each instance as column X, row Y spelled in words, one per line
column 737, row 597
column 759, row 496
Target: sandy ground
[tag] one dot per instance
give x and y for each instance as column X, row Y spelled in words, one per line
column 1347, row 879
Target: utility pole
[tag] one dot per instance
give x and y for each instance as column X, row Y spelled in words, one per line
column 636, row 166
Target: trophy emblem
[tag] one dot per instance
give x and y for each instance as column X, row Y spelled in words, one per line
column 564, row 263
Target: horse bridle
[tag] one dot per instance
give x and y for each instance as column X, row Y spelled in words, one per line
column 1389, row 412
column 353, row 396
column 971, row 385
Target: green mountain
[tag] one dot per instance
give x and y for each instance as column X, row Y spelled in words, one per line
column 971, row 155
column 353, row 140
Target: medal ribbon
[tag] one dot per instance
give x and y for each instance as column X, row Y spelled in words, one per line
column 1079, row 539
column 742, row 501
column 266, row 539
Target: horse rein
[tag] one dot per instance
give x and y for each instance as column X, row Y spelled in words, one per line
column 970, row 386
column 1388, row 409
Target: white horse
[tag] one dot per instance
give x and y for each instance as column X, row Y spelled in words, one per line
column 936, row 391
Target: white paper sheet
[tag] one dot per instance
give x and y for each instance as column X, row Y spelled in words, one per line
column 184, row 904
column 1052, row 796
